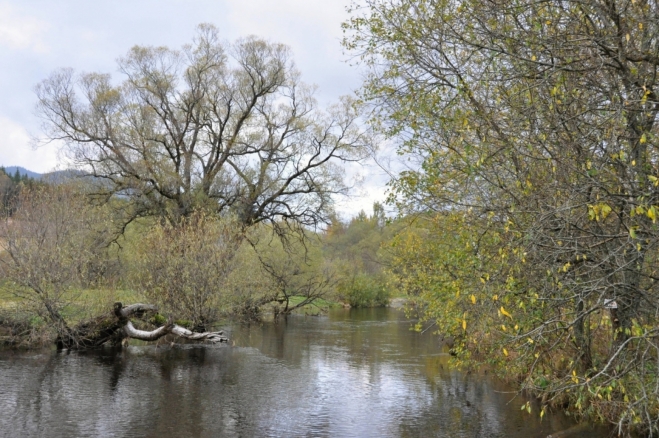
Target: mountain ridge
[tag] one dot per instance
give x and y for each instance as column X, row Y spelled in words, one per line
column 54, row 176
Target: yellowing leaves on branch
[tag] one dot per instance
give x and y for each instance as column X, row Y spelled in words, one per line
column 505, row 313
column 572, row 108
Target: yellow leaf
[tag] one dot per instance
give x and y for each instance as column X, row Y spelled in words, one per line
column 652, row 214
column 530, row 340
column 503, row 311
column 533, row 58
column 503, row 327
column 643, row 139
column 464, row 324
column 505, row 352
column 473, row 299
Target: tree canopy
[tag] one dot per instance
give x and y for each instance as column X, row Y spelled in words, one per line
column 213, row 126
column 535, row 128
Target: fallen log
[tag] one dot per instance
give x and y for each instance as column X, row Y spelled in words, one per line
column 131, row 332
column 117, row 327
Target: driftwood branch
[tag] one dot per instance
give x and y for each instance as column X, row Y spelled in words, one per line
column 116, row 326
column 138, row 310
column 131, row 332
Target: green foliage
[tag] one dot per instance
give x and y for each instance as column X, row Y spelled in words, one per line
column 364, row 290
column 158, row 319
column 437, row 263
column 292, row 269
column 355, row 250
column 532, row 130
column 184, row 269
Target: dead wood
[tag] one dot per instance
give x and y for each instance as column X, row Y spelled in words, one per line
column 117, row 326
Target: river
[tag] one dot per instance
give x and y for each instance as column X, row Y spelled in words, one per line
column 352, row 373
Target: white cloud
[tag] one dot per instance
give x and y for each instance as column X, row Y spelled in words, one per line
column 312, row 29
column 18, row 32
column 16, row 150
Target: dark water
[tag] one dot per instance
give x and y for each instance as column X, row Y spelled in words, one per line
column 359, row 373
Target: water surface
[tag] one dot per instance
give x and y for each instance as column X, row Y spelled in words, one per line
column 358, row 373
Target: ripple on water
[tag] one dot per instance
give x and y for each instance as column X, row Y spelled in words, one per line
column 349, row 374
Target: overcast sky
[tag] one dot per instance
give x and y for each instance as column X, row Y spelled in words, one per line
column 39, row 36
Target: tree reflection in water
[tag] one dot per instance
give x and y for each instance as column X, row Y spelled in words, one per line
column 352, row 373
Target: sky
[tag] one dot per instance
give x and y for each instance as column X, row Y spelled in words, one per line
column 39, row 36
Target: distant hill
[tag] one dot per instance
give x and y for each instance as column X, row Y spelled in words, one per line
column 60, row 176
column 56, row 177
column 10, row 170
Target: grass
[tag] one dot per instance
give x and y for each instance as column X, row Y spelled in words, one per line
column 316, row 307
column 81, row 303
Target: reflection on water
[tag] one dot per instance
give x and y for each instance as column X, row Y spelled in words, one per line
column 359, row 373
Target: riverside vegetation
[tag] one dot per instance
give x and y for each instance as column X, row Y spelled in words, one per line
column 532, row 129
column 526, row 227
column 203, row 178
column 65, row 271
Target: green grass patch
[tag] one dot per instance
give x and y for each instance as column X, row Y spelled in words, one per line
column 316, row 307
column 78, row 304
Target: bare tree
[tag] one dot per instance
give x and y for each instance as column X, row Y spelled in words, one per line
column 50, row 245
column 51, row 248
column 213, row 126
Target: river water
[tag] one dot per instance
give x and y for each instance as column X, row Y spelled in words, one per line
column 352, row 373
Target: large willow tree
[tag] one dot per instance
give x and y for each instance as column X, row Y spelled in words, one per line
column 535, row 126
column 212, row 126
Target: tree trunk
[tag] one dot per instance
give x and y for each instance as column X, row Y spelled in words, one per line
column 117, row 326
column 582, row 341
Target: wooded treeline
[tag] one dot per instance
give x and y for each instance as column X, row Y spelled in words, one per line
column 10, row 186
column 64, row 267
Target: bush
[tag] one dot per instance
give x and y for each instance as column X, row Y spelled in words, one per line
column 184, row 268
column 363, row 290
